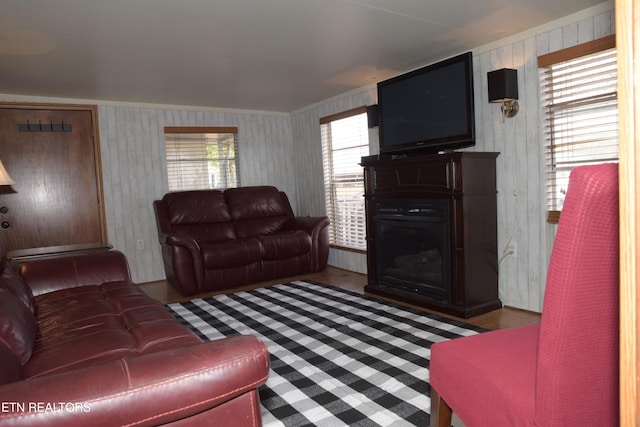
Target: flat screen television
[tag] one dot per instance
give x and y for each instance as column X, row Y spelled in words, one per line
column 428, row 110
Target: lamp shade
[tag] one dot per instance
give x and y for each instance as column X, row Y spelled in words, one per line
column 502, row 84
column 5, row 179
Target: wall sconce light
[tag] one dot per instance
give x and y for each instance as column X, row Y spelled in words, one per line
column 503, row 87
column 5, row 179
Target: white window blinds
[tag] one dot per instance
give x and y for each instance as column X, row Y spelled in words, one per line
column 202, row 158
column 581, row 114
column 345, row 139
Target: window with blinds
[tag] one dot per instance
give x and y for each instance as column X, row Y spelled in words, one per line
column 345, row 139
column 202, row 158
column 579, row 91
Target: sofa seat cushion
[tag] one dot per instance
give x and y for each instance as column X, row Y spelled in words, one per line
column 236, row 253
column 285, row 245
column 86, row 325
column 211, row 232
column 459, row 370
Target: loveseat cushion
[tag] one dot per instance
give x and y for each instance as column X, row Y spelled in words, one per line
column 284, row 245
column 202, row 214
column 231, row 254
column 257, row 210
column 86, row 325
column 17, row 326
column 195, row 207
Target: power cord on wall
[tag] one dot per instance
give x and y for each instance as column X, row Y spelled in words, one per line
column 509, row 247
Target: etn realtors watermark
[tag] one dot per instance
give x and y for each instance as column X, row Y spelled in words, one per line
column 44, row 407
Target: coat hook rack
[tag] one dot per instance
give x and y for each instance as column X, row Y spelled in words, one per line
column 47, row 127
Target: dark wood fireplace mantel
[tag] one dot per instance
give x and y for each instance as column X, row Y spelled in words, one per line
column 463, row 182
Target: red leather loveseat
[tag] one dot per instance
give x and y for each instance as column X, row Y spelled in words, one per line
column 81, row 345
column 214, row 239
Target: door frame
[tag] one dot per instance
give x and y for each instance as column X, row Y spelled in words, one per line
column 93, row 111
column 628, row 43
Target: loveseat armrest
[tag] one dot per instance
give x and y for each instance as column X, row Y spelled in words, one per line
column 310, row 224
column 318, row 229
column 180, row 239
column 151, row 389
column 52, row 274
column 182, row 259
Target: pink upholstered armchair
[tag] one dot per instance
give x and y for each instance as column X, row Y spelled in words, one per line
column 564, row 371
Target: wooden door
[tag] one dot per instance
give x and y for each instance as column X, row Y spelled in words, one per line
column 51, row 155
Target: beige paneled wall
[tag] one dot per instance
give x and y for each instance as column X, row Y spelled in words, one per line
column 134, row 169
column 520, row 166
column 521, row 209
column 308, row 161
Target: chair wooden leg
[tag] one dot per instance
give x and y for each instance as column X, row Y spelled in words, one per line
column 440, row 411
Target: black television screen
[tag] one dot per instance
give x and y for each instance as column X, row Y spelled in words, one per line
column 428, row 110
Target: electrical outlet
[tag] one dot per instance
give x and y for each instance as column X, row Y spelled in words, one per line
column 140, row 244
column 512, row 249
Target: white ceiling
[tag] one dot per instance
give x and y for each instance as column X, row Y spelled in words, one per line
column 274, row 55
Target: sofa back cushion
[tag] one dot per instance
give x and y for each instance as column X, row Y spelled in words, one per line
column 202, row 214
column 11, row 281
column 257, row 210
column 17, row 326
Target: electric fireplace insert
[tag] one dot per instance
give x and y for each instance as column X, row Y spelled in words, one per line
column 413, row 246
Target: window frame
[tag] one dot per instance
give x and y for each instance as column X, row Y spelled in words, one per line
column 329, row 184
column 544, row 63
column 193, row 130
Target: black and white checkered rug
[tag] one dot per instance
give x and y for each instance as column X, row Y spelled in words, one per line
column 337, row 357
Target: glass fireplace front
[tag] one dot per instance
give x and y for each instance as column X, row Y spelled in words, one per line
column 413, row 247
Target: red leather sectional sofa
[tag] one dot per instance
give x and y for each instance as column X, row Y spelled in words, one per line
column 81, row 345
column 214, row 239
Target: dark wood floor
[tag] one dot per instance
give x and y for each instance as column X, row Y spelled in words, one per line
column 498, row 319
